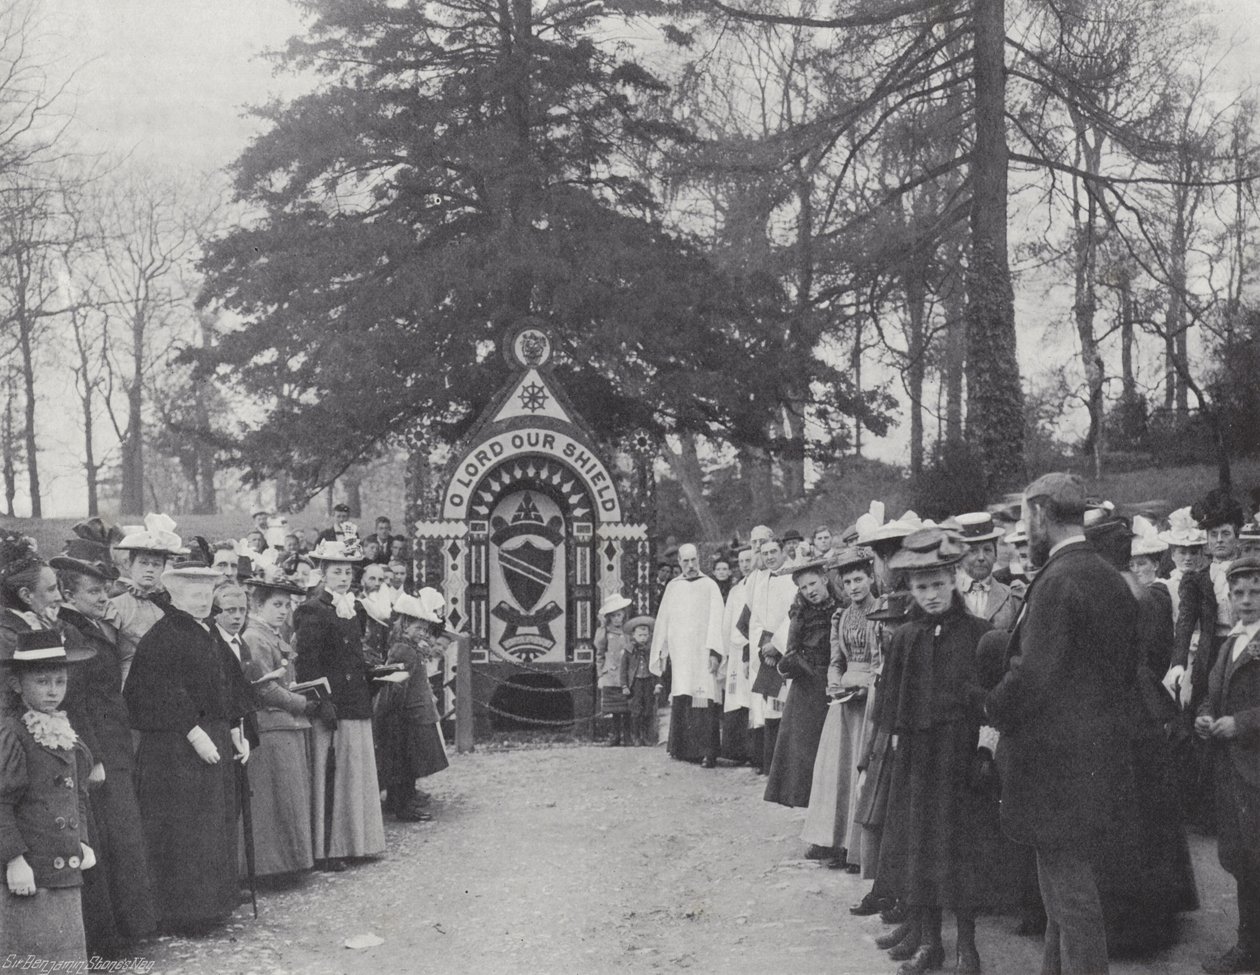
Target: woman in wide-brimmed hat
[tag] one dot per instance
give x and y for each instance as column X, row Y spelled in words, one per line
column 117, row 898
column 329, row 644
column 280, row 772
column 856, row 655
column 187, row 697
column 140, row 600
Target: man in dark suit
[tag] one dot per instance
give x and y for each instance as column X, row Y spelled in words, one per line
column 341, row 527
column 1057, row 709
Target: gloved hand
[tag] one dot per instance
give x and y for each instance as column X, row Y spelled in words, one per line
column 20, row 877
column 1172, row 679
column 327, row 713
column 240, row 745
column 87, row 856
column 203, row 746
column 626, row 691
column 97, row 775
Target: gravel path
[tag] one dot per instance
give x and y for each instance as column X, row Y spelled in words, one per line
column 584, row 859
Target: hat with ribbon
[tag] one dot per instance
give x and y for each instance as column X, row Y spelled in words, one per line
column 157, row 536
column 1183, row 531
column 818, row 565
column 338, row 550
column 1250, row 532
column 614, row 602
column 273, row 579
column 793, row 535
column 86, row 558
column 853, row 558
column 976, row 527
column 1146, row 539
column 45, row 648
column 928, row 548
column 1217, row 508
column 428, row 605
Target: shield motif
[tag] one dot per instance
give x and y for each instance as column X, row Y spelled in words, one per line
column 527, row 569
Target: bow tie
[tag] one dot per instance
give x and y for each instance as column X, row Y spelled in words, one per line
column 981, row 585
column 343, row 604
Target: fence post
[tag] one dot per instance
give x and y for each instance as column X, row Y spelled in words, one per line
column 463, row 695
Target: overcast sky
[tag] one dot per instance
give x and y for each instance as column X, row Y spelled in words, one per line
column 168, row 81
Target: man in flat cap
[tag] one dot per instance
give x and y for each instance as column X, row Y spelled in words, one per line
column 1057, row 709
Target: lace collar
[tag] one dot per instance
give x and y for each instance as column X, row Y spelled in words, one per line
column 52, row 730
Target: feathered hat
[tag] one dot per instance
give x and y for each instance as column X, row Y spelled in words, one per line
column 1217, row 508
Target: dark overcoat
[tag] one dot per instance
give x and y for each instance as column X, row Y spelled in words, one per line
column 1196, row 613
column 1062, row 704
column 332, row 647
column 184, row 676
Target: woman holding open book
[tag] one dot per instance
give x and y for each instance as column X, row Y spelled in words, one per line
column 329, row 644
column 280, row 774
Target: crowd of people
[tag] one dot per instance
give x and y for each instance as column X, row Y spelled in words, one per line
column 1018, row 710
column 180, row 719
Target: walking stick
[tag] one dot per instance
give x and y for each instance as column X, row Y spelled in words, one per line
column 247, row 822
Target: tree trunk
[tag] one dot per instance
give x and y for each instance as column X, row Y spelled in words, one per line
column 995, row 399
column 353, row 484
column 133, row 444
column 1175, row 314
column 686, row 467
column 792, row 457
column 28, row 384
column 855, row 369
column 1127, row 338
column 955, row 362
column 916, row 353
column 758, row 476
column 1085, row 282
column 10, row 444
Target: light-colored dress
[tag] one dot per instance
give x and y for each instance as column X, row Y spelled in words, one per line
column 856, row 659
column 279, row 769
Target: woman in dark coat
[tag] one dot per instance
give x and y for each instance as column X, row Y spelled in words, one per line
column 187, row 697
column 329, row 644
column 805, row 663
column 937, row 843
column 1145, row 876
column 95, row 705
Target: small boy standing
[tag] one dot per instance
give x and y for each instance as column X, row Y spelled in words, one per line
column 43, row 799
column 1229, row 717
column 637, row 683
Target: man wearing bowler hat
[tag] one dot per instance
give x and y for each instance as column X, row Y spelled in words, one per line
column 1057, row 709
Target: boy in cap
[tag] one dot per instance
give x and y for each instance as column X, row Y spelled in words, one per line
column 637, row 682
column 1229, row 719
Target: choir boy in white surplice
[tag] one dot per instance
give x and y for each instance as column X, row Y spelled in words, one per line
column 769, row 597
column 689, row 637
column 737, row 686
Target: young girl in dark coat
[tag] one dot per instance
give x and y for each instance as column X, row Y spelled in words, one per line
column 43, row 806
column 934, row 848
column 411, row 744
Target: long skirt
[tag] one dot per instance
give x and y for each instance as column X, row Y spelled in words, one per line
column 279, row 773
column 792, row 768
column 47, row 925
column 938, row 833
column 357, row 829
column 189, row 813
column 1144, row 871
column 122, row 862
column 833, row 792
column 408, row 748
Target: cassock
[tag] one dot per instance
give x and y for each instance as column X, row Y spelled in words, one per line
column 737, row 686
column 689, row 629
column 769, row 598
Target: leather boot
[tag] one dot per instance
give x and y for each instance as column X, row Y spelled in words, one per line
column 927, row 959
column 891, row 938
